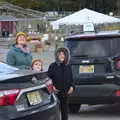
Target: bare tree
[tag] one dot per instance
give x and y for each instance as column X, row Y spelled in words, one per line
column 118, row 7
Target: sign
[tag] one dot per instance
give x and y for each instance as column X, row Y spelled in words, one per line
column 88, row 27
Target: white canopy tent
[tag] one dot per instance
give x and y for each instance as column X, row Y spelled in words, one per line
column 84, row 16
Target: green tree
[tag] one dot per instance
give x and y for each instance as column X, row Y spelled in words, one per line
column 104, row 6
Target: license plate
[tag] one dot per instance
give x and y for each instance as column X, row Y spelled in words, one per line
column 86, row 69
column 34, row 98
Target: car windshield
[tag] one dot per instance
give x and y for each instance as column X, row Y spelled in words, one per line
column 94, row 48
column 5, row 68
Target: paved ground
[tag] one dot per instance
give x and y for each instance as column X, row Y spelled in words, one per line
column 97, row 112
column 47, row 56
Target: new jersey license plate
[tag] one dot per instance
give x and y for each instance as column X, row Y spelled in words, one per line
column 34, row 98
column 86, row 69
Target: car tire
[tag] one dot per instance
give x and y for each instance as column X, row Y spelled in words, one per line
column 74, row 108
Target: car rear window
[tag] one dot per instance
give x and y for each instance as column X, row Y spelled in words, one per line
column 100, row 47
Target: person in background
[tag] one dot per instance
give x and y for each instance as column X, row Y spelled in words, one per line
column 61, row 74
column 19, row 55
column 37, row 65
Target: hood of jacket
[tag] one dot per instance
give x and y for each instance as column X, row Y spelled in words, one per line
column 67, row 55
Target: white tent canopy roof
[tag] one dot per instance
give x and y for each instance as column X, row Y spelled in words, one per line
column 84, row 16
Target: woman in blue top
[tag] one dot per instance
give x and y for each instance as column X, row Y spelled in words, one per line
column 19, row 55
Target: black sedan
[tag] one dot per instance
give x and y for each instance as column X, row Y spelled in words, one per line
column 26, row 95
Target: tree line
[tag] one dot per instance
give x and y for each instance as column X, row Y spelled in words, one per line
column 104, row 6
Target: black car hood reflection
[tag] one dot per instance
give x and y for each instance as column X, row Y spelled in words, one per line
column 22, row 75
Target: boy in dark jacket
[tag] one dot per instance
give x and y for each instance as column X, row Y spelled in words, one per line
column 61, row 74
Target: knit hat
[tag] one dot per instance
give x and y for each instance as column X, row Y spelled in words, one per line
column 19, row 34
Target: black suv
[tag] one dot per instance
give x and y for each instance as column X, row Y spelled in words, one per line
column 95, row 60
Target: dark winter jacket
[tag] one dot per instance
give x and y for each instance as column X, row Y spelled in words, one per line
column 61, row 73
column 17, row 58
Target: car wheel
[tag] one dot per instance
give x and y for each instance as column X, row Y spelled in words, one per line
column 74, row 108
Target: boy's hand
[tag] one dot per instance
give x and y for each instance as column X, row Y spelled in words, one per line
column 71, row 90
column 56, row 90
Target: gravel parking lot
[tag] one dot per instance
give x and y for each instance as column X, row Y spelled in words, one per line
column 46, row 56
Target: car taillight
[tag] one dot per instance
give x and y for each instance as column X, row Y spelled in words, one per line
column 117, row 93
column 117, row 64
column 8, row 97
column 50, row 86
